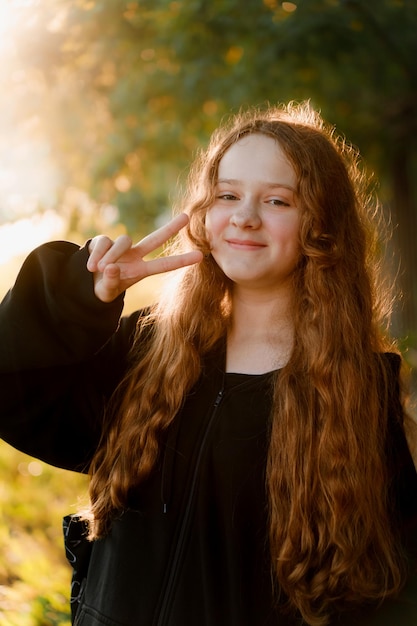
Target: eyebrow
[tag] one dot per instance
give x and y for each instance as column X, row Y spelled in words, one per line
column 235, row 181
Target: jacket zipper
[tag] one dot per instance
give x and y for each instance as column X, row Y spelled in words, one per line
column 176, row 561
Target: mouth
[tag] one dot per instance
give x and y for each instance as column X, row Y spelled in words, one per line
column 245, row 244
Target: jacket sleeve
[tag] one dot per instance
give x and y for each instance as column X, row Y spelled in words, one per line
column 403, row 487
column 62, row 354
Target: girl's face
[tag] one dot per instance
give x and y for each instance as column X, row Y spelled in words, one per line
column 253, row 225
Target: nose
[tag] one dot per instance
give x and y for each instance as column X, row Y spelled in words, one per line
column 246, row 215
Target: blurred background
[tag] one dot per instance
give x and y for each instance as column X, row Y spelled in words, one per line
column 103, row 105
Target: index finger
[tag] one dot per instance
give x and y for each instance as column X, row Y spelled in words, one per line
column 160, row 236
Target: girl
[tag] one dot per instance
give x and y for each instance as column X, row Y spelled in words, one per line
column 245, row 436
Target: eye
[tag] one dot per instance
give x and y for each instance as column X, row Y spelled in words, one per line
column 227, row 196
column 278, row 202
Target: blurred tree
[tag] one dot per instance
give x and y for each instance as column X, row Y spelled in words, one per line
column 360, row 60
column 131, row 88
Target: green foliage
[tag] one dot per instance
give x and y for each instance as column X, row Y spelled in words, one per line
column 139, row 85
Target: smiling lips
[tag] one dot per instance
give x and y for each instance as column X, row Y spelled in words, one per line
column 245, row 244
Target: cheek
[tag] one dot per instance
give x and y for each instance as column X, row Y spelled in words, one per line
column 213, row 225
column 287, row 232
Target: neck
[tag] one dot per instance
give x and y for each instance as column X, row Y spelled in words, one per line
column 261, row 333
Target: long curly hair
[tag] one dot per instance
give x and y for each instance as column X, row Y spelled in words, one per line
column 331, row 539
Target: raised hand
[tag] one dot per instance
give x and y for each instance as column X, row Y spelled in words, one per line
column 117, row 265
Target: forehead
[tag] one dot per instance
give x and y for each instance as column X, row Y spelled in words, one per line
column 257, row 156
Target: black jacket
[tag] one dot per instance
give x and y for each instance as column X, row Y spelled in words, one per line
column 192, row 549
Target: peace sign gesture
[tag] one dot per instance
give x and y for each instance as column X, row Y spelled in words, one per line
column 117, row 265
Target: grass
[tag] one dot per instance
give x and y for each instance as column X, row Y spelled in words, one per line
column 34, row 574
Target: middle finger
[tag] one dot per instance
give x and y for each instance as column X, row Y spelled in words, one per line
column 160, row 236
